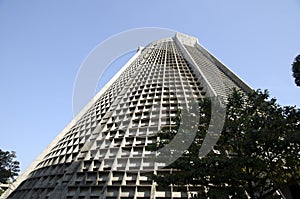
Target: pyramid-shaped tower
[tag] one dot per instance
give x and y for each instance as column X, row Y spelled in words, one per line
column 102, row 153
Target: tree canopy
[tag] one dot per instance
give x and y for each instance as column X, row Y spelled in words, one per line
column 296, row 70
column 9, row 167
column 257, row 153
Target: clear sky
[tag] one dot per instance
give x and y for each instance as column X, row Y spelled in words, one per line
column 43, row 43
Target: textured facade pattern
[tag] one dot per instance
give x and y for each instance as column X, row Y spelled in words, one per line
column 103, row 155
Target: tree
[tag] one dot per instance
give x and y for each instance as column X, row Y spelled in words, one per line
column 9, row 167
column 257, row 153
column 296, row 70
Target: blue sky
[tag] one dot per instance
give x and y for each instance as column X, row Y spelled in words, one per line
column 43, row 44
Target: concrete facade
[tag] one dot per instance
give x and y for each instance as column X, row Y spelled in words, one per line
column 102, row 152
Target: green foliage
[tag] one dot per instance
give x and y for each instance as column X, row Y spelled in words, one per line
column 9, row 167
column 257, row 153
column 296, row 70
column 1, row 191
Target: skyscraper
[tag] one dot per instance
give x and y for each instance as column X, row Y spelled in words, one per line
column 102, row 153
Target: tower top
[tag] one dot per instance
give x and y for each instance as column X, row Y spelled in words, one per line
column 186, row 39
